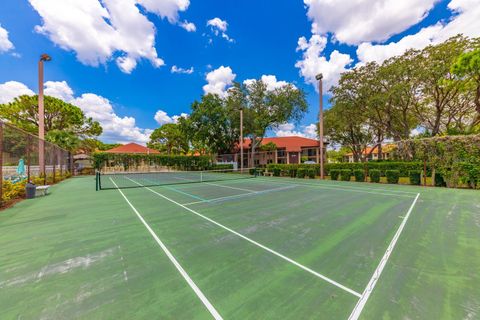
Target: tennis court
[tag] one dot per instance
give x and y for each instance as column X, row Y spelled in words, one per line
column 254, row 248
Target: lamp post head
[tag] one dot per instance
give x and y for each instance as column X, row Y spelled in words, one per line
column 319, row 76
column 45, row 57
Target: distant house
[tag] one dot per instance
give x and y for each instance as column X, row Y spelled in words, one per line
column 369, row 155
column 134, row 164
column 288, row 150
column 132, row 148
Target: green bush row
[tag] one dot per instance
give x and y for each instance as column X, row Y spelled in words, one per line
column 383, row 166
column 128, row 160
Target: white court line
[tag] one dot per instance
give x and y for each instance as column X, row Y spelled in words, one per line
column 335, row 188
column 257, row 244
column 376, row 274
column 230, row 187
column 240, row 195
column 170, row 256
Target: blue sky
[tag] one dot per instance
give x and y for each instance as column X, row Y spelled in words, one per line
column 114, row 58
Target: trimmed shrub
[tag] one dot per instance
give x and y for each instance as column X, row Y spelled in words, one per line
column 374, row 175
column 345, row 174
column 311, row 173
column 301, row 173
column 276, row 171
column 415, row 177
column 439, row 180
column 359, row 175
column 292, row 172
column 334, row 174
column 392, row 176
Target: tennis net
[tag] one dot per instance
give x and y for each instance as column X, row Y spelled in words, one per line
column 121, row 180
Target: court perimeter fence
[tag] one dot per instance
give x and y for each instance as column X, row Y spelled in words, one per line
column 20, row 163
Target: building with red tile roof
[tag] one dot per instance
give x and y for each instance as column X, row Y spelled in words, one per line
column 292, row 149
column 372, row 153
column 132, row 148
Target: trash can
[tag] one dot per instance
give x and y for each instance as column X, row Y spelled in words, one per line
column 30, row 190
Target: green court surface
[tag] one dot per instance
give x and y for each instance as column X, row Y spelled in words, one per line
column 262, row 248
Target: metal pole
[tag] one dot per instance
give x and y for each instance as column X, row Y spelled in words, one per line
column 424, row 172
column 320, row 124
column 29, row 141
column 41, row 121
column 241, row 139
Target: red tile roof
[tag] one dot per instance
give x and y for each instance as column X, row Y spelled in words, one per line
column 291, row 144
column 385, row 148
column 132, row 148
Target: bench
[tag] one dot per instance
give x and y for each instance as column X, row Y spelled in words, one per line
column 268, row 174
column 43, row 190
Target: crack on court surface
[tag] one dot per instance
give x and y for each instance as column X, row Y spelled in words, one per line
column 59, row 268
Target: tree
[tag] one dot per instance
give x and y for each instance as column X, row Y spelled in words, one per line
column 212, row 126
column 398, row 86
column 346, row 126
column 467, row 67
column 170, row 139
column 59, row 117
column 437, row 85
column 265, row 109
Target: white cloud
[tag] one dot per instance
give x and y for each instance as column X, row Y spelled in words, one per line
column 353, row 22
column 115, row 128
column 176, row 69
column 367, row 52
column 5, row 43
column 219, row 28
column 12, row 89
column 218, row 80
column 464, row 21
column 59, row 89
column 189, row 26
column 313, row 62
column 288, row 129
column 163, row 118
column 99, row 30
column 166, row 8
column 270, row 81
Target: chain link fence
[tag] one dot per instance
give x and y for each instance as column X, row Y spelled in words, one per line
column 19, row 162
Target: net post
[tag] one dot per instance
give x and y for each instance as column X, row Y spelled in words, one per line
column 97, row 180
column 201, row 176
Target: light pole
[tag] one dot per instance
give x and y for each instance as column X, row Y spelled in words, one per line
column 241, row 139
column 319, row 77
column 41, row 114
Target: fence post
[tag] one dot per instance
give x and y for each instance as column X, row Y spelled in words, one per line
column 29, row 141
column 54, row 163
column 60, row 160
column 424, row 172
column 70, row 163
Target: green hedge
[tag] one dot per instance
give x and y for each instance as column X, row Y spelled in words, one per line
column 128, row 160
column 359, row 175
column 383, row 166
column 415, row 177
column 403, row 167
column 301, row 173
column 345, row 174
column 392, row 176
column 374, row 175
column 334, row 174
